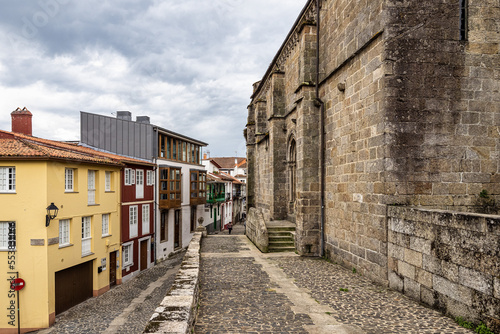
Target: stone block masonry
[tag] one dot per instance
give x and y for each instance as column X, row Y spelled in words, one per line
column 177, row 312
column 447, row 260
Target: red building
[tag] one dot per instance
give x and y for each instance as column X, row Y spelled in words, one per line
column 137, row 236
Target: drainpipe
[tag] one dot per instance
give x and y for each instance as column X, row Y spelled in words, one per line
column 319, row 103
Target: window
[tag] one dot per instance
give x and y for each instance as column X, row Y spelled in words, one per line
column 86, row 236
column 105, row 224
column 127, row 255
column 145, row 219
column 8, row 236
column 150, row 178
column 69, row 183
column 132, row 220
column 8, row 179
column 198, row 187
column 164, row 226
column 177, row 149
column 107, row 181
column 91, row 182
column 129, row 176
column 64, row 232
column 170, row 187
column 139, row 184
column 464, row 25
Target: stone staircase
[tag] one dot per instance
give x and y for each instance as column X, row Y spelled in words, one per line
column 281, row 236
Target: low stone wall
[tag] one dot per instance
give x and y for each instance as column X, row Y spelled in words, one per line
column 447, row 260
column 256, row 229
column 177, row 312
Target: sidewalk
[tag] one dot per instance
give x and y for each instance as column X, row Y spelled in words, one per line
column 125, row 308
column 245, row 291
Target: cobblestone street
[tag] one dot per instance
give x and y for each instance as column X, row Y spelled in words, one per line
column 245, row 291
column 125, row 308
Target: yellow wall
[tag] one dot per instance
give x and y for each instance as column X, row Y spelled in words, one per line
column 37, row 185
column 27, row 208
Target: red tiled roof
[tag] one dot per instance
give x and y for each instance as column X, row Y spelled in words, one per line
column 228, row 162
column 16, row 145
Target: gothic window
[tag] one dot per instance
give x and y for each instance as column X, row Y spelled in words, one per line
column 464, row 19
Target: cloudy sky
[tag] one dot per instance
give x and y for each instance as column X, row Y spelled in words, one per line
column 187, row 64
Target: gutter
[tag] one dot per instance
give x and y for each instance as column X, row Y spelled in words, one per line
column 319, row 103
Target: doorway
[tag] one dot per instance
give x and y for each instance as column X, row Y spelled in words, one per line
column 177, row 229
column 112, row 269
column 144, row 255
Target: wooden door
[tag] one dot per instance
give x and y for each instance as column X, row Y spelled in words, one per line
column 177, row 229
column 112, row 269
column 73, row 286
column 144, row 255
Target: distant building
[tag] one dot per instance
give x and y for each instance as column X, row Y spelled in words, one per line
column 180, row 178
column 234, row 167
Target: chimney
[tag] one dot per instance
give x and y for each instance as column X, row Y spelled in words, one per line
column 204, row 156
column 142, row 119
column 21, row 121
column 125, row 115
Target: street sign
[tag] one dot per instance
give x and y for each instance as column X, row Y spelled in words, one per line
column 17, row 284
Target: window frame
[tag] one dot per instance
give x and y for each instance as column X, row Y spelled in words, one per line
column 105, row 223
column 139, row 183
column 129, row 249
column 8, row 242
column 133, row 221
column 146, row 219
column 8, row 179
column 69, row 177
column 86, row 234
column 91, row 187
column 64, row 232
column 108, row 181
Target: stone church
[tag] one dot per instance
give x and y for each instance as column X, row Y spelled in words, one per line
column 376, row 131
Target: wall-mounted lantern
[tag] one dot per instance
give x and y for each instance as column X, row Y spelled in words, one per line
column 52, row 211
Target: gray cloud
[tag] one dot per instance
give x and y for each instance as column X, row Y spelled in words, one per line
column 188, row 64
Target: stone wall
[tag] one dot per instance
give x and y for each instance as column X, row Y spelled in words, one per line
column 177, row 312
column 442, row 104
column 256, row 229
column 411, row 114
column 352, row 88
column 447, row 260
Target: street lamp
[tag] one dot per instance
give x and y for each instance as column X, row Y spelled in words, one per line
column 52, row 211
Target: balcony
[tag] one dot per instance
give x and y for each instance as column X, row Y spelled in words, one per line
column 216, row 198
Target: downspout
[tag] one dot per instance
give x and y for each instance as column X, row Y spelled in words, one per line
column 319, row 103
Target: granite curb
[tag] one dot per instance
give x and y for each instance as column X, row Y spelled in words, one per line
column 177, row 312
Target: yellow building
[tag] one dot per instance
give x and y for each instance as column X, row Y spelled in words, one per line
column 77, row 255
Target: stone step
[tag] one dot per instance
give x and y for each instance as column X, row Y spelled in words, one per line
column 280, row 229
column 273, row 249
column 282, row 244
column 280, row 238
column 279, row 234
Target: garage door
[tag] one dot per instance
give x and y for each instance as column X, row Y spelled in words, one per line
column 73, row 286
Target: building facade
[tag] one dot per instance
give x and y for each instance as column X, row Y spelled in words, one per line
column 137, row 218
column 372, row 104
column 66, row 259
column 180, row 178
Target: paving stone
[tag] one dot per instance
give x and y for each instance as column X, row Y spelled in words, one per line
column 237, row 296
column 96, row 314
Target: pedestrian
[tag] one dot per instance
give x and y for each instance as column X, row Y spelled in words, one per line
column 230, row 227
